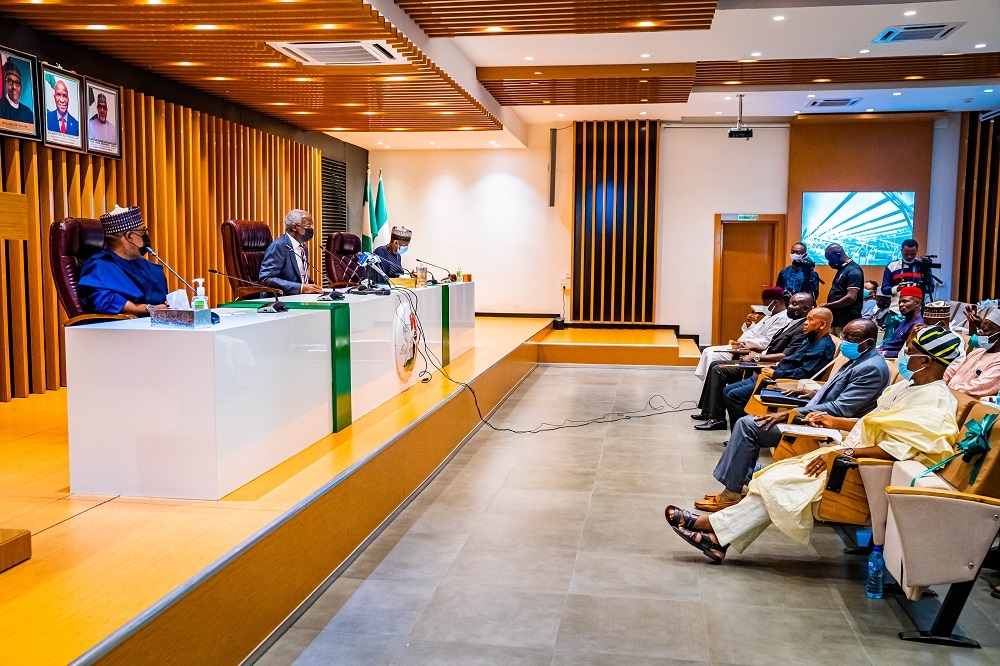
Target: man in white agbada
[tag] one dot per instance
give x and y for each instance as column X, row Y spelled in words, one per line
column 755, row 338
column 914, row 420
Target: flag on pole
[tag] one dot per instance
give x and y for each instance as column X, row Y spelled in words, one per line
column 381, row 214
column 368, row 215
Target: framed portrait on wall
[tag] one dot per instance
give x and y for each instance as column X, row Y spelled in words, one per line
column 104, row 118
column 19, row 116
column 62, row 94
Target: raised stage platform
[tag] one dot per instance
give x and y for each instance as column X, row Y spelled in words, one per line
column 134, row 580
column 618, row 347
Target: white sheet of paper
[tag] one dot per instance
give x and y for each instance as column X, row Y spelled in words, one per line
column 809, row 430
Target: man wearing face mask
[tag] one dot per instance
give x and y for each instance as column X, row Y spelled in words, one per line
column 902, row 272
column 844, row 299
column 911, row 301
column 118, row 280
column 800, row 275
column 850, row 393
column 392, row 253
column 754, row 338
column 868, row 304
column 286, row 264
column 978, row 374
column 722, row 373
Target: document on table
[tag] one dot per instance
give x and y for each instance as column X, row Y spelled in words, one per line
column 811, row 432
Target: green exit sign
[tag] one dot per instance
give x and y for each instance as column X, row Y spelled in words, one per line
column 746, row 218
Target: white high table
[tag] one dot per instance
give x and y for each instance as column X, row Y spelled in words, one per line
column 194, row 413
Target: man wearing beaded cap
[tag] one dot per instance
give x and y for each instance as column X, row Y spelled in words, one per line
column 392, row 253
column 118, row 280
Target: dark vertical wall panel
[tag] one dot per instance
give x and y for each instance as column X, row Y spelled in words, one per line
column 614, row 231
column 977, row 241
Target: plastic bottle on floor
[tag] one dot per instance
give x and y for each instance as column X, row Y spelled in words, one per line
column 876, row 564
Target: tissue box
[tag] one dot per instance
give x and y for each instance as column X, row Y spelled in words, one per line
column 180, row 318
column 15, row 547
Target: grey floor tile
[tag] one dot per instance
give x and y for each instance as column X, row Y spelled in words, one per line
column 632, row 575
column 419, row 558
column 515, row 568
column 347, row 649
column 436, row 653
column 540, row 477
column 464, row 613
column 631, row 626
column 631, row 506
column 289, row 647
column 502, row 531
column 448, row 520
column 541, row 502
column 329, row 604
column 647, row 536
column 748, row 582
column 573, row 658
column 382, row 607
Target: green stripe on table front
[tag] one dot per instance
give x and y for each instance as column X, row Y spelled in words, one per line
column 446, row 325
column 340, row 352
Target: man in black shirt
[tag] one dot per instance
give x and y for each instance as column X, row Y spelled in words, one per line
column 844, row 299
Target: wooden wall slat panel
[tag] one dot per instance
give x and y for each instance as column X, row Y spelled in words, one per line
column 979, row 212
column 614, row 228
column 187, row 170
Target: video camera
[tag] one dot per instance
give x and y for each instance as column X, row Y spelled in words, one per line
column 928, row 281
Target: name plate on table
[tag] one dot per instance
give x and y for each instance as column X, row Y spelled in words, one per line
column 167, row 318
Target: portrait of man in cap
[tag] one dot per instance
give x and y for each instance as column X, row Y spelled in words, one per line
column 103, row 120
column 17, row 101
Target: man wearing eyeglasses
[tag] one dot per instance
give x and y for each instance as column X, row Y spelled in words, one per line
column 118, row 279
column 10, row 104
column 100, row 128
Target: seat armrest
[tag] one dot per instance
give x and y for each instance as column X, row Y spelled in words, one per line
column 945, row 494
column 877, row 475
column 248, row 290
column 96, row 318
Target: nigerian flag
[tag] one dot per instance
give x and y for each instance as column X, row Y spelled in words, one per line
column 368, row 216
column 381, row 214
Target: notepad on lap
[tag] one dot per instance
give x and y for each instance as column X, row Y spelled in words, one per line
column 811, row 432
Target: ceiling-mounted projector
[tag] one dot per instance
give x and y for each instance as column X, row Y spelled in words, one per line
column 741, row 131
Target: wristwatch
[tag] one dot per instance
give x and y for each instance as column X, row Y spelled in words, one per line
column 756, row 358
column 849, row 453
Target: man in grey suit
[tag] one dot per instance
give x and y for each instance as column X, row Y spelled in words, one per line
column 286, row 261
column 852, row 392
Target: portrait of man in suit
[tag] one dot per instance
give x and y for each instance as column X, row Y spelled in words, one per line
column 62, row 109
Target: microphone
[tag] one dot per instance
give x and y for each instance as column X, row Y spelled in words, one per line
column 447, row 272
column 371, row 260
column 167, row 266
column 276, row 306
column 324, row 296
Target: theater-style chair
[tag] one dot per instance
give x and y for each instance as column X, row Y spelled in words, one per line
column 341, row 259
column 243, row 246
column 758, row 407
column 72, row 241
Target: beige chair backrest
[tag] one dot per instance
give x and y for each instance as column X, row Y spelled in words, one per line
column 893, row 370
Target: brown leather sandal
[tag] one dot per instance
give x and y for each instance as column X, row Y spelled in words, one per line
column 703, row 542
column 677, row 517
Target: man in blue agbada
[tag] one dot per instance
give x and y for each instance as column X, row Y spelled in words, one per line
column 118, row 280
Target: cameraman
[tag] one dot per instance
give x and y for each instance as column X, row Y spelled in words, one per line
column 800, row 276
column 901, row 273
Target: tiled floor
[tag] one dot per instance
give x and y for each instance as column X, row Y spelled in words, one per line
column 552, row 548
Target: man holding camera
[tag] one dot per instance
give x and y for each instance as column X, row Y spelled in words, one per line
column 800, row 275
column 902, row 273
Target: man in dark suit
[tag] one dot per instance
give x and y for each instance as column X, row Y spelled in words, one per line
column 851, row 393
column 286, row 261
column 722, row 373
column 59, row 119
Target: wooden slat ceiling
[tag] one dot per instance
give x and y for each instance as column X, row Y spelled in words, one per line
column 589, row 84
column 234, row 62
column 453, row 18
column 854, row 70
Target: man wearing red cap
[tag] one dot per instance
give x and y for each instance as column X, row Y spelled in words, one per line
column 911, row 301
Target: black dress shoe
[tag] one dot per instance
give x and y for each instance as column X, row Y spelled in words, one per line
column 711, row 424
column 701, row 417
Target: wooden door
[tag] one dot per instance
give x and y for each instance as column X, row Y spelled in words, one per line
column 747, row 260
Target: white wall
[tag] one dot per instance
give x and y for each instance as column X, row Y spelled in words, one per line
column 703, row 172
column 487, row 212
column 944, row 184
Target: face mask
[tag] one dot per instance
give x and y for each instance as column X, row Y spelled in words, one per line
column 145, row 244
column 307, row 235
column 836, row 264
column 850, row 350
column 772, row 307
column 798, row 258
column 792, row 314
column 982, row 341
column 811, row 336
column 903, row 363
column 868, row 293
column 402, row 249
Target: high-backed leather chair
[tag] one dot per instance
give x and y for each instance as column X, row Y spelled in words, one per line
column 71, row 242
column 342, row 259
column 243, row 246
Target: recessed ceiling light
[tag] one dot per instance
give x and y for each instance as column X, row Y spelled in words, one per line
column 896, row 94
column 328, row 26
column 528, row 58
column 845, row 58
column 395, row 78
column 869, row 110
column 913, row 78
column 779, row 18
column 821, row 80
column 387, row 147
column 988, row 90
column 378, row 143
column 494, row 28
column 148, row 2
column 909, row 13
column 796, row 112
column 338, row 129
column 642, row 113
column 185, row 63
column 980, row 46
column 274, row 64
column 645, row 69
column 206, row 26
column 497, row 145
column 643, row 100
column 546, row 102
column 220, row 78
column 447, row 113
column 302, row 113
column 810, row 96
column 466, row 129
column 280, row 103
column 645, row 24
column 718, row 113
column 951, row 54
column 643, row 80
column 369, row 113
column 727, row 98
column 430, row 143
column 534, row 83
column 748, row 60
column 97, row 27
column 537, row 73
column 644, row 55
column 731, row 83
column 755, row 54
column 562, row 115
column 865, row 51
column 302, row 79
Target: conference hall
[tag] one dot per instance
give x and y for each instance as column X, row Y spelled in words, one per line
column 399, row 332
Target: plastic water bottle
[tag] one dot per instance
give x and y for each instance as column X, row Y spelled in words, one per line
column 876, row 564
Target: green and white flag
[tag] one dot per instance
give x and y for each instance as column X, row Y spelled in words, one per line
column 368, row 215
column 381, row 214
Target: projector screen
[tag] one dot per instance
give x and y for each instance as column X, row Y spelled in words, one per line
column 869, row 225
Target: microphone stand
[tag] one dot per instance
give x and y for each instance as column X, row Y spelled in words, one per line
column 323, row 296
column 167, row 266
column 447, row 272
column 268, row 308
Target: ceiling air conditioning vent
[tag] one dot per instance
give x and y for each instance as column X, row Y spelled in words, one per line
column 340, row 53
column 834, row 102
column 916, row 33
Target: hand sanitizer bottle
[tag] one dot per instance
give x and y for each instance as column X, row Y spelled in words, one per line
column 200, row 300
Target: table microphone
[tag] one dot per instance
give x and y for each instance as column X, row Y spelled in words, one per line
column 167, row 266
column 447, row 272
column 276, row 306
column 333, row 296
